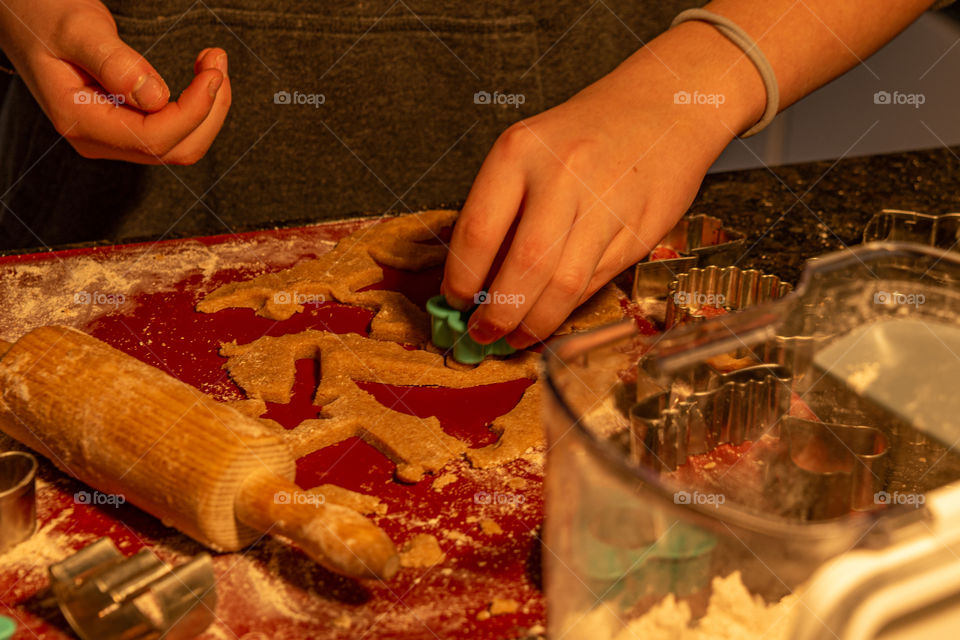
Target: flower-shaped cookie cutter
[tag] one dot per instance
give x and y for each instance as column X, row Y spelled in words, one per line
column 448, row 330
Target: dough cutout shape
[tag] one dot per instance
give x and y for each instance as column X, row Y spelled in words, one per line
column 265, row 368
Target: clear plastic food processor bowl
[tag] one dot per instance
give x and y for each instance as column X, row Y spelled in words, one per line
column 780, row 472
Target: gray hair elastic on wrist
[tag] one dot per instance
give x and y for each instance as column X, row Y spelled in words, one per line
column 739, row 37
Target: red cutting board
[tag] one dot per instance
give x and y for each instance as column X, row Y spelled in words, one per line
column 140, row 298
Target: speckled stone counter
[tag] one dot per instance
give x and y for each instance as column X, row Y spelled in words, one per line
column 794, row 212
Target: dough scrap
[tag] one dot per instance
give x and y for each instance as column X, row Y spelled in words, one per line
column 416, row 445
column 602, row 308
column 359, row 502
column 422, row 550
column 519, row 430
column 490, row 527
column 442, row 481
column 266, row 368
column 499, row 606
column 350, row 266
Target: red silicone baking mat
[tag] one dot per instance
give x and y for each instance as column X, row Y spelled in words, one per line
column 140, row 299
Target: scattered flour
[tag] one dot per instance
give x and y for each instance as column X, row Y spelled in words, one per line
column 732, row 614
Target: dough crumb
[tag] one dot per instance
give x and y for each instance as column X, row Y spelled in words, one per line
column 422, row 550
column 457, row 536
column 516, row 483
column 442, row 481
column 498, row 607
column 490, row 527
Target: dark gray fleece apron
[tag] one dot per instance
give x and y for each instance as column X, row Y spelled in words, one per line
column 339, row 108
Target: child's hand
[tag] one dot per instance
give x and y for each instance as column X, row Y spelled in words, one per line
column 103, row 96
column 587, row 189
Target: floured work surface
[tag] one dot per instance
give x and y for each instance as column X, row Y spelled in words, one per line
column 477, row 496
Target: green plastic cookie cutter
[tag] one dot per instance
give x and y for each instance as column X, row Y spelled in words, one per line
column 7, row 627
column 448, row 330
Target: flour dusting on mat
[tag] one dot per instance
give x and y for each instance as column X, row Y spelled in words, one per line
column 78, row 290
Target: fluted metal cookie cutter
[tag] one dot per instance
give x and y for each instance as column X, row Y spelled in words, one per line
column 719, row 408
column 18, row 499
column 105, row 596
column 729, row 288
column 840, row 466
column 700, row 241
column 448, row 330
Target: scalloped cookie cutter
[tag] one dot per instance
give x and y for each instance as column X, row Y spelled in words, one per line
column 448, row 330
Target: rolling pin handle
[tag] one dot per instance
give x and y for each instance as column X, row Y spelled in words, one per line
column 336, row 537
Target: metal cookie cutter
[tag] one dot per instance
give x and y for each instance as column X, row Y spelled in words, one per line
column 105, row 596
column 892, row 225
column 701, row 241
column 18, row 498
column 828, row 468
column 729, row 288
column 841, row 467
column 719, row 408
column 448, row 330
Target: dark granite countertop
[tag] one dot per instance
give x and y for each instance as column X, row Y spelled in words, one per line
column 794, row 212
column 791, row 213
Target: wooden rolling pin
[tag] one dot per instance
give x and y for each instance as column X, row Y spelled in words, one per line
column 124, row 427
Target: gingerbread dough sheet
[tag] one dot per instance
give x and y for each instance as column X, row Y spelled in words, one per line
column 265, row 368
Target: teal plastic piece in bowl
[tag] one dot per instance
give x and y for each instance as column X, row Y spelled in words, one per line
column 448, row 330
